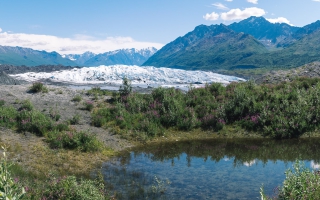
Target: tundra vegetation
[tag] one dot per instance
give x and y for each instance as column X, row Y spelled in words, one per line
column 18, row 183
column 284, row 110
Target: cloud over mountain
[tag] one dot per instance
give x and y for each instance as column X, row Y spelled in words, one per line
column 235, row 14
column 279, row 20
column 77, row 45
column 211, row 16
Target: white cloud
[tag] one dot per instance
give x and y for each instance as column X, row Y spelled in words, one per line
column 253, row 1
column 280, row 20
column 220, row 6
column 316, row 0
column 236, row 14
column 77, row 45
column 212, row 16
column 0, row 29
column 229, row 0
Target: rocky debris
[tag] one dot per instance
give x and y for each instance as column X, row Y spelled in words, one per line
column 11, row 69
column 59, row 99
column 310, row 70
column 5, row 79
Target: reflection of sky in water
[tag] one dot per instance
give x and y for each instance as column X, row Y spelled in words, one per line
column 250, row 163
column 217, row 169
column 314, row 165
column 198, row 178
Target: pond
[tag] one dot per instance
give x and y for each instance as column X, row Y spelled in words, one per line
column 207, row 169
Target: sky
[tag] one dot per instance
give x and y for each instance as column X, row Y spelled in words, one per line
column 76, row 26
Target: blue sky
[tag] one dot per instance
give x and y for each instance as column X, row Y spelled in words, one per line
column 75, row 26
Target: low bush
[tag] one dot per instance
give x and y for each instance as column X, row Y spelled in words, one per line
column 9, row 188
column 284, row 110
column 75, row 119
column 88, row 105
column 2, row 102
column 73, row 140
column 26, row 105
column 8, row 116
column 300, row 183
column 34, row 121
column 38, row 87
column 77, row 98
column 66, row 187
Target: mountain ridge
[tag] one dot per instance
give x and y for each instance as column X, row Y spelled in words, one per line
column 31, row 57
column 121, row 56
column 219, row 47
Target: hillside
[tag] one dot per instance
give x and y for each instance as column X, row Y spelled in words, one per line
column 30, row 57
column 221, row 49
column 207, row 47
column 300, row 33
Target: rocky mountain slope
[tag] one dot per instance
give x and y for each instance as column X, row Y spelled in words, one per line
column 207, row 47
column 29, row 57
column 270, row 34
column 311, row 70
column 219, row 48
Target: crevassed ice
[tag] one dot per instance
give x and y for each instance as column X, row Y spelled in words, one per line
column 138, row 75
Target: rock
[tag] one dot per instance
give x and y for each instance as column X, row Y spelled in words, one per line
column 311, row 70
column 5, row 79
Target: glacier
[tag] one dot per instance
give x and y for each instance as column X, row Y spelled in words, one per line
column 140, row 76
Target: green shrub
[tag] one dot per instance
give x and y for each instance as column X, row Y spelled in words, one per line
column 8, row 116
column 26, row 105
column 38, row 87
column 75, row 119
column 67, row 187
column 73, row 140
column 77, row 98
column 300, row 183
column 54, row 114
column 2, row 102
column 9, row 189
column 34, row 122
column 284, row 110
column 88, row 105
column 125, row 88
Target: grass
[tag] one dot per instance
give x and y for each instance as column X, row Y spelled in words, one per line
column 49, row 185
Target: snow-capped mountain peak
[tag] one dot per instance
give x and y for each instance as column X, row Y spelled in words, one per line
column 121, row 56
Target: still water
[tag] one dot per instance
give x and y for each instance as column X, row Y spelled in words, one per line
column 207, row 169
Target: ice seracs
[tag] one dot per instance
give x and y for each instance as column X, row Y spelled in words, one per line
column 138, row 75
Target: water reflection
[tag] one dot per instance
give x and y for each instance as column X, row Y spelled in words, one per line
column 210, row 169
column 314, row 165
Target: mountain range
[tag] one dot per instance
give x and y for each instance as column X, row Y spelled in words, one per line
column 121, row 56
column 253, row 43
column 30, row 57
column 26, row 56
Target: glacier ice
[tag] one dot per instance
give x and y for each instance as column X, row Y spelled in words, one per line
column 138, row 75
